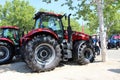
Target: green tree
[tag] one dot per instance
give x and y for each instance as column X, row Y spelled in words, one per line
column 87, row 10
column 111, row 13
column 17, row 13
column 0, row 11
column 76, row 26
column 111, row 16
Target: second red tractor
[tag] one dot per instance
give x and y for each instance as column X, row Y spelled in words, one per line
column 9, row 43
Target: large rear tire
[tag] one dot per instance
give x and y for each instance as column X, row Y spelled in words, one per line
column 42, row 53
column 83, row 53
column 6, row 54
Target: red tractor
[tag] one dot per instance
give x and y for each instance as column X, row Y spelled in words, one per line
column 48, row 43
column 9, row 43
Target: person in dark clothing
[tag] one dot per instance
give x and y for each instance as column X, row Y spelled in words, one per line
column 96, row 43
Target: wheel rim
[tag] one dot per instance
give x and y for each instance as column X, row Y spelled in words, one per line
column 88, row 53
column 44, row 54
column 4, row 53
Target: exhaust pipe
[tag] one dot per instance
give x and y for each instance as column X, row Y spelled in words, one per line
column 69, row 30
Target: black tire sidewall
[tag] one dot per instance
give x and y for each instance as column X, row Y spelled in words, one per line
column 10, row 55
column 53, row 62
column 30, row 53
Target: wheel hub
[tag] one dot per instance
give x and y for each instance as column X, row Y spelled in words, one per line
column 88, row 53
column 43, row 54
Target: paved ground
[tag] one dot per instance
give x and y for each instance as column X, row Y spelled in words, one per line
column 114, row 54
column 98, row 70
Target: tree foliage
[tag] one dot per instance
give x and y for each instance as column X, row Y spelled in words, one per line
column 87, row 10
column 17, row 13
column 112, row 16
column 20, row 13
column 76, row 26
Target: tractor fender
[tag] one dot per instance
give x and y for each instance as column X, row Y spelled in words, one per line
column 7, row 40
column 38, row 31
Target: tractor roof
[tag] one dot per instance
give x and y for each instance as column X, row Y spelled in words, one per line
column 48, row 14
column 9, row 27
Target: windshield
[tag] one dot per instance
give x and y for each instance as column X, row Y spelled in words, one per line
column 37, row 24
column 11, row 34
column 50, row 22
column 7, row 33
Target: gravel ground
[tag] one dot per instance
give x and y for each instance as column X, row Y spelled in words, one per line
column 98, row 70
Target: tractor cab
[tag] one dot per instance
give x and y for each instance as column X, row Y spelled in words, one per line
column 10, row 33
column 50, row 21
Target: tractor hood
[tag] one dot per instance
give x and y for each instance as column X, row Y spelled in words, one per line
column 79, row 35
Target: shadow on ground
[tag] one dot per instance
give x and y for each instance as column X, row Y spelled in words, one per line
column 115, row 70
column 23, row 68
column 15, row 66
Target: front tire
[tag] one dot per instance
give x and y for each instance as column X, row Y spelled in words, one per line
column 6, row 54
column 42, row 53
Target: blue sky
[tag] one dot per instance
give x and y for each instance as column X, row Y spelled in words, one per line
column 54, row 6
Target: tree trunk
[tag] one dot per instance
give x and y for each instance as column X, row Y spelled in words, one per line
column 102, row 31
